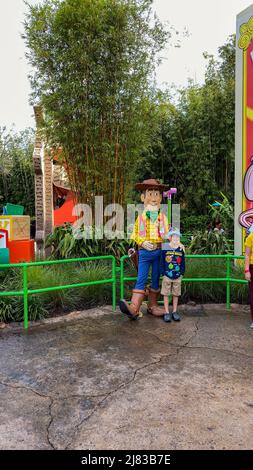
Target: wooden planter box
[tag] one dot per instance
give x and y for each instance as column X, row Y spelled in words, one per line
column 18, row 226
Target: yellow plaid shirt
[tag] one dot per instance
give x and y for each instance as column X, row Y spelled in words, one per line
column 152, row 233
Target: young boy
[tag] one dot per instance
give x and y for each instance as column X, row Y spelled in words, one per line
column 173, row 268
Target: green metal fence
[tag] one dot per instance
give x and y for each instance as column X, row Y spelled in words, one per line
column 228, row 279
column 26, row 291
column 113, row 279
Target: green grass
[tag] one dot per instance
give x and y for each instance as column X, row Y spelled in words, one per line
column 212, row 291
column 204, row 292
column 54, row 302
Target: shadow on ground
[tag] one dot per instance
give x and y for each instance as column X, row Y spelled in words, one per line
column 97, row 380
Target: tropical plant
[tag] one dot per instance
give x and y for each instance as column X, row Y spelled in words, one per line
column 65, row 245
column 223, row 212
column 212, row 242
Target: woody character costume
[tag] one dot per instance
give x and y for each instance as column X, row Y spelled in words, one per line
column 149, row 232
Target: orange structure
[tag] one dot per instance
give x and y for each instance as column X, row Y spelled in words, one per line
column 21, row 251
column 65, row 212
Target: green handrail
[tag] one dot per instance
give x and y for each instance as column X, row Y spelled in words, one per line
column 113, row 280
column 26, row 291
column 228, row 270
column 25, row 288
column 228, row 279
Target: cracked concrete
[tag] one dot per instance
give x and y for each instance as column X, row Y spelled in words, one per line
column 95, row 380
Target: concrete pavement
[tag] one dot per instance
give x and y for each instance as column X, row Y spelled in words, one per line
column 96, row 380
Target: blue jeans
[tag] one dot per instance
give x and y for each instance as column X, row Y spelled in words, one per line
column 147, row 259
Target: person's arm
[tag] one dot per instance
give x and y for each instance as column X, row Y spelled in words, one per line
column 247, row 263
column 135, row 235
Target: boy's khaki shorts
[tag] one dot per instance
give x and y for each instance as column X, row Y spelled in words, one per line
column 171, row 286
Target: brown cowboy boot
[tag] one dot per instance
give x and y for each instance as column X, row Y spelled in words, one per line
column 153, row 306
column 132, row 309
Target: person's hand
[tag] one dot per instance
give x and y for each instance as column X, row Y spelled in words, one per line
column 148, row 246
column 248, row 276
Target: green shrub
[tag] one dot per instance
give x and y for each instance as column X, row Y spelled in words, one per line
column 223, row 212
column 9, row 309
column 204, row 292
column 193, row 223
column 53, row 302
column 12, row 309
column 209, row 243
column 213, row 291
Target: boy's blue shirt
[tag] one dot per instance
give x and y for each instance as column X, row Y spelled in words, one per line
column 172, row 261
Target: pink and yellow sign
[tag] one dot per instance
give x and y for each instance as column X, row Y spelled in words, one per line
column 246, row 43
column 244, row 129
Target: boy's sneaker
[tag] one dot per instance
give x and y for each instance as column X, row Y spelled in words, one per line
column 176, row 316
column 251, row 326
column 167, row 317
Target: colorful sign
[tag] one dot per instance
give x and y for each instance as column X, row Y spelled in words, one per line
column 244, row 129
column 3, row 238
column 5, row 224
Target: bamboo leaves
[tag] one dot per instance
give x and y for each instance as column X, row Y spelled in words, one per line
column 93, row 61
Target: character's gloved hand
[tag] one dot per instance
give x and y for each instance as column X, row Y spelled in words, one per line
column 148, row 246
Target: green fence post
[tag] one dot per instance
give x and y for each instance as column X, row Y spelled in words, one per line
column 114, row 283
column 228, row 282
column 169, row 210
column 25, row 289
column 122, row 277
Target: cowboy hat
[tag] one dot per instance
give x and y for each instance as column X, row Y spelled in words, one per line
column 151, row 184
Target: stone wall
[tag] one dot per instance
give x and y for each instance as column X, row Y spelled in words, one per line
column 43, row 187
column 48, row 196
